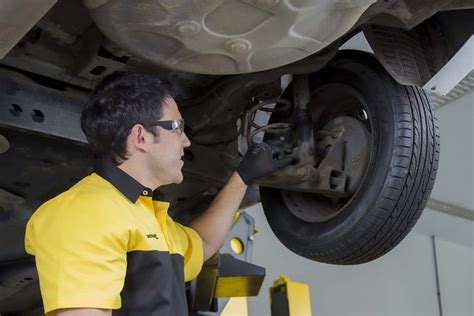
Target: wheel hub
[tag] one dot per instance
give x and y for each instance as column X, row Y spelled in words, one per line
column 344, row 145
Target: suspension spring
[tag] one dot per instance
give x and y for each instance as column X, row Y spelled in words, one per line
column 250, row 129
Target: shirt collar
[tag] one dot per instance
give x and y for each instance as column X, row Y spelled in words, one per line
column 126, row 184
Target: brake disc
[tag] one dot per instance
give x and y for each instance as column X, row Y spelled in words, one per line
column 345, row 142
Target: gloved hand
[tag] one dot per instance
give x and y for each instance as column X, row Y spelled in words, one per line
column 262, row 160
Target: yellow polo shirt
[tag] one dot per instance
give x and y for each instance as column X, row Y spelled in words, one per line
column 107, row 243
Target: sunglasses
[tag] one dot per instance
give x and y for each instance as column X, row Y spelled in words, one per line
column 171, row 125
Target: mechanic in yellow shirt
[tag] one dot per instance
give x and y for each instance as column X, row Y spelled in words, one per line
column 107, row 246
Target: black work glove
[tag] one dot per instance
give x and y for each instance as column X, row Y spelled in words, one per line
column 262, row 160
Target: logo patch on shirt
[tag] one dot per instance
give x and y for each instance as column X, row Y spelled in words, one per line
column 154, row 236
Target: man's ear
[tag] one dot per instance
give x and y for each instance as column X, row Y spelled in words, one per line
column 139, row 138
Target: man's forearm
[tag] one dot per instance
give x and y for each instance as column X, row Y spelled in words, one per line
column 216, row 222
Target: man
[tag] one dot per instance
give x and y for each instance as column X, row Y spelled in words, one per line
column 107, row 245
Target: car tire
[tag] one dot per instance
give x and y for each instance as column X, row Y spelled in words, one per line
column 399, row 176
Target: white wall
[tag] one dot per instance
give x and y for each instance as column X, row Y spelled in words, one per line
column 455, row 266
column 447, row 227
column 456, row 173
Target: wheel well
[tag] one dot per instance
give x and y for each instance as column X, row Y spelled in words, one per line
column 414, row 56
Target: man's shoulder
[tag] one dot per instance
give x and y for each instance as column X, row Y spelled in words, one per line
column 88, row 210
column 89, row 194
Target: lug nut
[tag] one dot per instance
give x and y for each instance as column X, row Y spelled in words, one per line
column 301, row 172
column 307, row 172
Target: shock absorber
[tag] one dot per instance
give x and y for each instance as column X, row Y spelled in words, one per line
column 295, row 134
column 304, row 125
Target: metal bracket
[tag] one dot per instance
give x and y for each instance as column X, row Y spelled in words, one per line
column 209, row 292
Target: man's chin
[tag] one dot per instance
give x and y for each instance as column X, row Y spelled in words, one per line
column 179, row 179
column 173, row 180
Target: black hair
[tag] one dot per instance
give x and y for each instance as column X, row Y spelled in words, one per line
column 117, row 103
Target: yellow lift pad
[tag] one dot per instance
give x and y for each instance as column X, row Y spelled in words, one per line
column 289, row 298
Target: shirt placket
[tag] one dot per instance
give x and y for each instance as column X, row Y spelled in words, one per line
column 161, row 214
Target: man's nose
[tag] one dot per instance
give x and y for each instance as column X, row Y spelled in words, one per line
column 186, row 141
